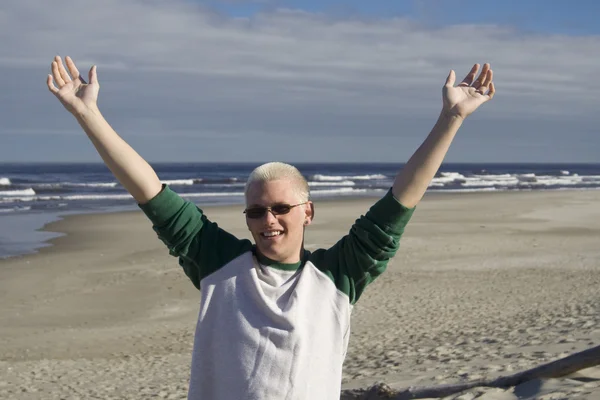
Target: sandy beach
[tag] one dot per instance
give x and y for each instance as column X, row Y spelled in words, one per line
column 485, row 284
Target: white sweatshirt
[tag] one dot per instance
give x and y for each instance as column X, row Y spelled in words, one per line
column 267, row 330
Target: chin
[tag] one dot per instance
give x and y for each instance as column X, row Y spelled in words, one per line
column 273, row 254
column 270, row 253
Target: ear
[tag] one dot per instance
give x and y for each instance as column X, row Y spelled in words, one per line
column 309, row 213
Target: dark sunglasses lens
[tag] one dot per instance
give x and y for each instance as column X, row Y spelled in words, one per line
column 255, row 212
column 260, row 212
column 281, row 208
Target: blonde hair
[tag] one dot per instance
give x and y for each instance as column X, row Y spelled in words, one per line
column 277, row 170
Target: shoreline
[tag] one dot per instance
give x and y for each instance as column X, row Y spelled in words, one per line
column 43, row 227
column 53, row 230
column 53, row 219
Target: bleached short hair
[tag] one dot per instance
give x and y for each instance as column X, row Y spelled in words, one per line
column 278, row 170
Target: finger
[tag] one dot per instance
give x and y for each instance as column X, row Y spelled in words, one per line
column 470, row 76
column 492, row 91
column 73, row 69
column 57, row 78
column 480, row 80
column 50, row 83
column 482, row 84
column 450, row 79
column 93, row 75
column 488, row 78
column 63, row 72
column 483, row 87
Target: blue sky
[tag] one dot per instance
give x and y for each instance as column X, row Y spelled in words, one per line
column 235, row 80
column 544, row 16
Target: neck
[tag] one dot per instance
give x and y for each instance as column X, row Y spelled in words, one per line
column 289, row 262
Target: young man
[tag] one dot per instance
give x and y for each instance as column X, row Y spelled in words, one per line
column 274, row 318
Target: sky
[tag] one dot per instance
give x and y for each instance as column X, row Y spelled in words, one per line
column 303, row 80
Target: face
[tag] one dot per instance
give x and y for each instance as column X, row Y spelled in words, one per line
column 278, row 237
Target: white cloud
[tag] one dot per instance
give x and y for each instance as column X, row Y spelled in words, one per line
column 175, row 60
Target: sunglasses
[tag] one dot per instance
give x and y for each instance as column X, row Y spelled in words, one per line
column 277, row 209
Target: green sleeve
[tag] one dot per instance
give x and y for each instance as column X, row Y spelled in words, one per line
column 363, row 254
column 201, row 245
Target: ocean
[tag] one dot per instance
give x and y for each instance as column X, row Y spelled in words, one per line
column 32, row 195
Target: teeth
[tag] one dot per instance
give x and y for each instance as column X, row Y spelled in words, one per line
column 271, row 234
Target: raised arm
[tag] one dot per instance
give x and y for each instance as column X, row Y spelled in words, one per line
column 458, row 103
column 80, row 99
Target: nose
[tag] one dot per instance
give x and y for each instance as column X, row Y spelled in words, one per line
column 270, row 217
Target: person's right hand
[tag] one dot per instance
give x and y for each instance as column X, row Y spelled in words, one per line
column 77, row 96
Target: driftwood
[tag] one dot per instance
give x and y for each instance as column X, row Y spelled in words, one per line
column 555, row 369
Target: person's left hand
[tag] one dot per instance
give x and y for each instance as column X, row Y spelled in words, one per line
column 462, row 100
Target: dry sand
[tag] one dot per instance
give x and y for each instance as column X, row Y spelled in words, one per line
column 483, row 285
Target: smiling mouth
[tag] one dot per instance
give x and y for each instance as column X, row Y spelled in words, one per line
column 271, row 234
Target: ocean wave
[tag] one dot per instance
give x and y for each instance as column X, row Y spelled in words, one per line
column 24, row 192
column 344, row 191
column 565, row 181
column 124, row 196
column 212, row 194
column 224, row 185
column 472, row 190
column 489, row 181
column 320, row 177
column 203, row 181
column 332, row 183
column 14, row 209
column 71, row 197
column 170, row 182
column 209, row 181
column 451, row 180
column 93, row 184
column 180, row 182
column 589, row 178
column 447, row 177
column 4, row 181
column 127, row 196
column 58, row 185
